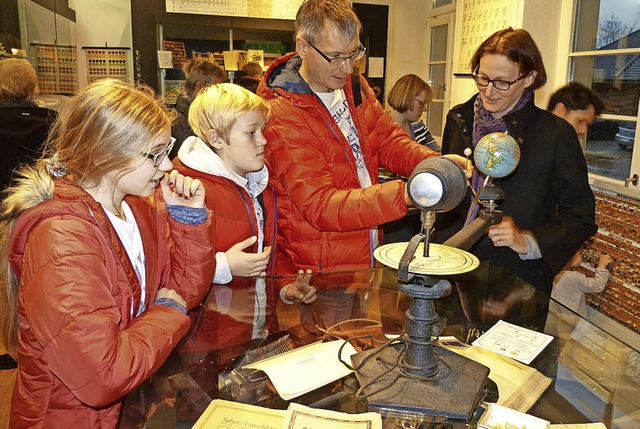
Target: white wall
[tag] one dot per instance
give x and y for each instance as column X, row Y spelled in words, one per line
column 102, row 23
column 407, row 50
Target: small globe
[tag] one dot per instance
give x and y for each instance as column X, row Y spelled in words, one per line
column 497, row 155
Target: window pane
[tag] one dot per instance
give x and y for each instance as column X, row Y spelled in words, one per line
column 616, row 78
column 610, row 147
column 438, row 3
column 434, row 118
column 438, row 50
column 436, row 80
column 606, row 24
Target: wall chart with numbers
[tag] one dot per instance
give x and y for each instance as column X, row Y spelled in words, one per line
column 276, row 9
column 480, row 19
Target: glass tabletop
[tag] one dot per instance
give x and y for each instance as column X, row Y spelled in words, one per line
column 584, row 375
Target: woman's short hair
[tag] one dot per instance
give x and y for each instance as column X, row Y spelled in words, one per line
column 199, row 69
column 519, row 47
column 18, row 80
column 313, row 14
column 218, row 106
column 106, row 127
column 405, row 90
column 252, row 69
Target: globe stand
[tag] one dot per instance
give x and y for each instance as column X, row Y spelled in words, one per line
column 417, row 376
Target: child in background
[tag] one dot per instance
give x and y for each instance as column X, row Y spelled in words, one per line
column 227, row 155
column 103, row 251
column 570, row 285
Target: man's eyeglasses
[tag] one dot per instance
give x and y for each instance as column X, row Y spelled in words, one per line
column 336, row 62
column 500, row 85
column 157, row 158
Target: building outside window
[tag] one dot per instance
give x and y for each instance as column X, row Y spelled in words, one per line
column 605, row 56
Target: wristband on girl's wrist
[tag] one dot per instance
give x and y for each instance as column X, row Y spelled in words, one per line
column 169, row 302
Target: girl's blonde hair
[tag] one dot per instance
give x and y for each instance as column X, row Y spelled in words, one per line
column 218, row 106
column 106, row 127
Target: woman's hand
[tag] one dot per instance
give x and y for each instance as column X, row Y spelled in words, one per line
column 300, row 290
column 507, row 234
column 464, row 163
column 182, row 190
column 246, row 264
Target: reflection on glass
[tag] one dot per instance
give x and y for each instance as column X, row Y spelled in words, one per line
column 606, row 24
column 609, row 148
column 616, row 78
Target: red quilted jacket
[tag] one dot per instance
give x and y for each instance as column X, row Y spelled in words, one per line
column 79, row 348
column 235, row 221
column 324, row 216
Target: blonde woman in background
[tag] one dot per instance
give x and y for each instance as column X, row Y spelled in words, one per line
column 409, row 98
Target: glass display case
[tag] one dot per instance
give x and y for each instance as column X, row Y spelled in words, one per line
column 583, row 375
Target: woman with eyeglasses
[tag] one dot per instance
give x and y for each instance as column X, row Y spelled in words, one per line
column 409, row 99
column 549, row 208
column 104, row 249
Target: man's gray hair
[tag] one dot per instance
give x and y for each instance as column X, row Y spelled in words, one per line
column 313, row 14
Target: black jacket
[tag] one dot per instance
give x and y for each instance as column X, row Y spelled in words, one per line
column 23, row 128
column 180, row 128
column 548, row 193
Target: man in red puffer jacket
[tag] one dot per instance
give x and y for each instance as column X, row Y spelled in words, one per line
column 327, row 137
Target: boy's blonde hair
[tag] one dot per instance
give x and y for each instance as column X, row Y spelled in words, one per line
column 218, row 106
column 105, row 128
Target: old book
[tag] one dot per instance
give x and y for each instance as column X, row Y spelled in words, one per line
column 222, row 414
column 519, row 386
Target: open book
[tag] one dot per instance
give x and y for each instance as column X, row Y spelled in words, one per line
column 519, row 386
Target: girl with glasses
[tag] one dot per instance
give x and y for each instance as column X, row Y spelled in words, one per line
column 104, row 249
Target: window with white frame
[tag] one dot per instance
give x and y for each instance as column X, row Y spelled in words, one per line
column 605, row 56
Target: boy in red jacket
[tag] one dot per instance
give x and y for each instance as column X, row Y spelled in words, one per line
column 227, row 155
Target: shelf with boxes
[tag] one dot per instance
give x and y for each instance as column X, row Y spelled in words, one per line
column 56, row 67
column 103, row 62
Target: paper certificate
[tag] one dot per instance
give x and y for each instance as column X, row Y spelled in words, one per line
column 306, row 368
column 519, row 343
column 301, row 417
column 222, row 414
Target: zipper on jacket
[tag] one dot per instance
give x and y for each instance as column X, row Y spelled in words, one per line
column 132, row 310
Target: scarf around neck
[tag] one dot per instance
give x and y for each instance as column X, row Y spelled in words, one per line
column 484, row 123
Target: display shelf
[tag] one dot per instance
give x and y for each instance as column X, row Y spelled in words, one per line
column 57, row 68
column 107, row 63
